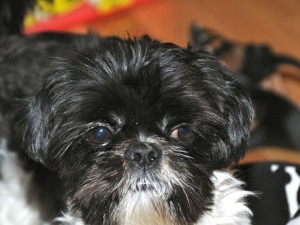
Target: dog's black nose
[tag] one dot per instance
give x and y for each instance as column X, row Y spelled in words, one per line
column 142, row 155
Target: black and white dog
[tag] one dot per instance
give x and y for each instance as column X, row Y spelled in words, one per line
column 138, row 131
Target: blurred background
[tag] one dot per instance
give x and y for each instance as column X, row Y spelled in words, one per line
column 251, row 22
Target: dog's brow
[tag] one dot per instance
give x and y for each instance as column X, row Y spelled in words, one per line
column 163, row 124
column 141, row 136
column 116, row 118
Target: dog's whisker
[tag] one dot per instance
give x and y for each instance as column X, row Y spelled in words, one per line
column 183, row 155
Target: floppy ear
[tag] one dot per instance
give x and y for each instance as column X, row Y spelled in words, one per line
column 238, row 113
column 232, row 112
column 34, row 126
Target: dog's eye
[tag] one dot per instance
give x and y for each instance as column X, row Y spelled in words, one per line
column 182, row 133
column 99, row 135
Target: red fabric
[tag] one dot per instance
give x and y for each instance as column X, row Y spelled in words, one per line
column 82, row 14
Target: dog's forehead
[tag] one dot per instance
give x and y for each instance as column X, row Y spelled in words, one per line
column 143, row 115
column 138, row 101
column 131, row 83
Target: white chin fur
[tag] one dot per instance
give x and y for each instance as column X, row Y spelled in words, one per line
column 229, row 206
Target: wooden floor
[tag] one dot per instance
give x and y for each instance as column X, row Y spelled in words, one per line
column 275, row 22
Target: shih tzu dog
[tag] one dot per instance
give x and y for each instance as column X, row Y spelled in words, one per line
column 140, row 133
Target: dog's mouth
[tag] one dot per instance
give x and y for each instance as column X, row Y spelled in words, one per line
column 149, row 184
column 143, row 185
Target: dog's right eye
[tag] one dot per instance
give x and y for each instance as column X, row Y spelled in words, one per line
column 99, row 136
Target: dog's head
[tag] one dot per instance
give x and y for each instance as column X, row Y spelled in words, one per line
column 135, row 129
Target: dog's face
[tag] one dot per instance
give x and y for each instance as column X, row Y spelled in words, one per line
column 135, row 129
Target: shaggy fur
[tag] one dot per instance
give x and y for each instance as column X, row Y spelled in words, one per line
column 229, row 204
column 228, row 208
column 139, row 92
column 134, row 128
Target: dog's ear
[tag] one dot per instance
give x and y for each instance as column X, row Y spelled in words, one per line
column 34, row 126
column 238, row 114
column 232, row 113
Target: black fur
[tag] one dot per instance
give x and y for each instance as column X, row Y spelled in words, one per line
column 152, row 88
column 23, row 61
column 12, row 13
column 169, row 116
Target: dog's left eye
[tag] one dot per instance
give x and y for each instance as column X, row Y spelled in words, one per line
column 182, row 133
column 99, row 135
